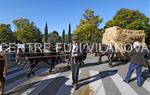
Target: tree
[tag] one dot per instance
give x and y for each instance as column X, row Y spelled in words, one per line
column 63, row 36
column 6, row 34
column 54, row 37
column 26, row 31
column 46, row 34
column 129, row 19
column 98, row 36
column 88, row 26
column 69, row 33
column 21, row 23
column 147, row 40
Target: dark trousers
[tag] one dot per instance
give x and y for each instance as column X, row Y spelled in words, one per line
column 2, row 64
column 138, row 69
column 75, row 72
column 2, row 79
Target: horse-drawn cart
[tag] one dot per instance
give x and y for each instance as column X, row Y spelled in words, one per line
column 29, row 60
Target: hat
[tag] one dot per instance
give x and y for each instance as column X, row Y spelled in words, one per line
column 136, row 44
column 75, row 37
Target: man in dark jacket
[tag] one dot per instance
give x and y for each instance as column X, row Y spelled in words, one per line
column 137, row 61
column 2, row 76
column 76, row 54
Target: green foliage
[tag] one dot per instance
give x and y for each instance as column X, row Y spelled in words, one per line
column 87, row 30
column 63, row 36
column 54, row 37
column 21, row 23
column 27, row 32
column 46, row 34
column 6, row 34
column 69, row 33
column 147, row 31
column 98, row 35
column 129, row 19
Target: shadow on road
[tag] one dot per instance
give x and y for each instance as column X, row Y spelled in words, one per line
column 53, row 85
column 90, row 64
column 146, row 74
column 66, row 69
column 119, row 63
column 101, row 75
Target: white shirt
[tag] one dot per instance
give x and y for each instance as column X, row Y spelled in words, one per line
column 74, row 48
column 1, row 48
column 110, row 47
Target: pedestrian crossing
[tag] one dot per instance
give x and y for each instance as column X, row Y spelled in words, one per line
column 97, row 86
column 38, row 87
column 124, row 88
column 43, row 83
column 66, row 88
column 15, row 82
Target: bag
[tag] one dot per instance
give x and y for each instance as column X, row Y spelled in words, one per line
column 110, row 56
column 146, row 63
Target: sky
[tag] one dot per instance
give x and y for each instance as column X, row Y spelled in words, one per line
column 59, row 13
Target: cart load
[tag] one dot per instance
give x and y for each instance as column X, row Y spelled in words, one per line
column 118, row 37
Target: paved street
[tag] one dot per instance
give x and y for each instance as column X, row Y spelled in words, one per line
column 94, row 79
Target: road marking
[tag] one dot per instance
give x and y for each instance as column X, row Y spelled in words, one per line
column 66, row 88
column 145, row 85
column 97, row 86
column 38, row 87
column 124, row 88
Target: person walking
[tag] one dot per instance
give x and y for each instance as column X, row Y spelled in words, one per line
column 2, row 72
column 137, row 60
column 111, row 51
column 76, row 57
